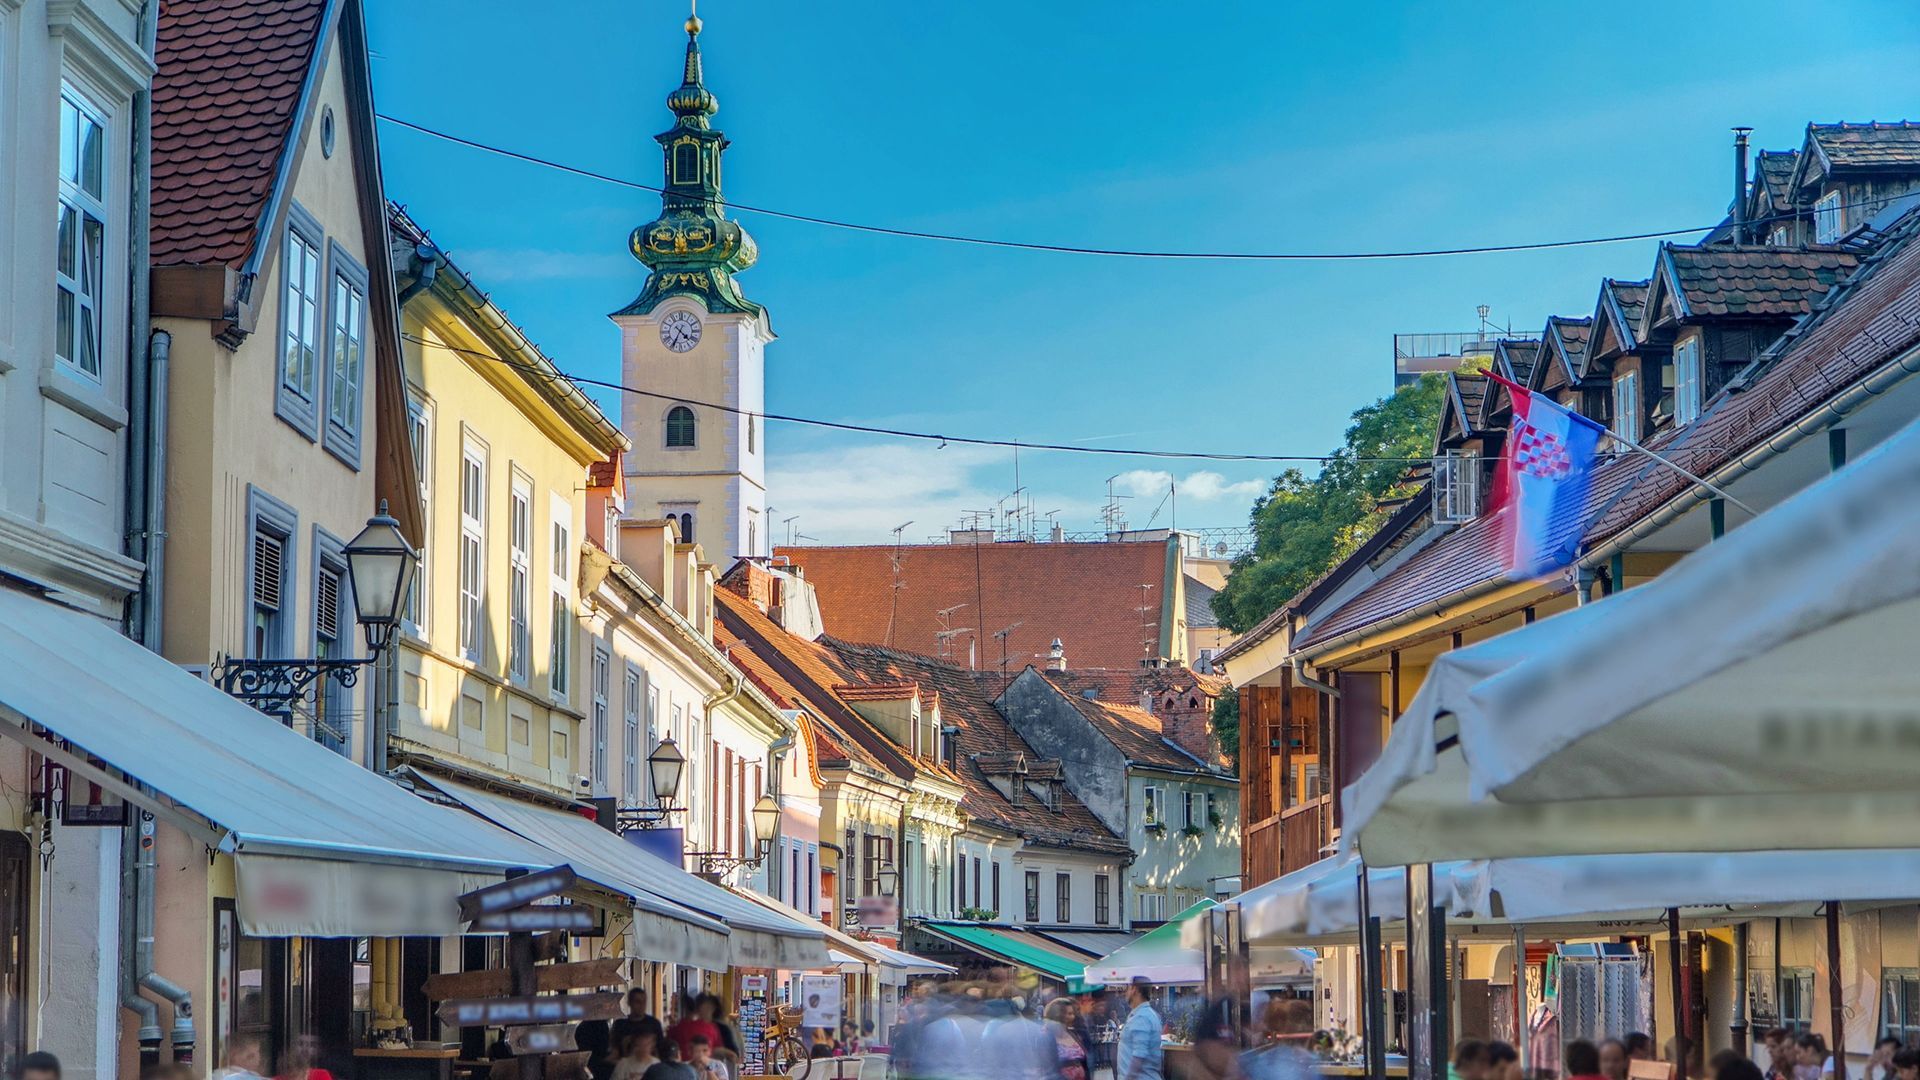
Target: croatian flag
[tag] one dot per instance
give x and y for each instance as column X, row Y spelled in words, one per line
column 1540, row 487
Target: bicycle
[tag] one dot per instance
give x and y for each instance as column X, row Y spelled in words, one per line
column 787, row 1053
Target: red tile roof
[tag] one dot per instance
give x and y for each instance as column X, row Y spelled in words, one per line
column 1085, row 594
column 224, row 101
column 1127, row 684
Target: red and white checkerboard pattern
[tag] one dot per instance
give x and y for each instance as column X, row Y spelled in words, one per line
column 1540, row 453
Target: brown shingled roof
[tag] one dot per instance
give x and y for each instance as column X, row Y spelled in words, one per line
column 1085, row 594
column 1135, row 731
column 983, row 734
column 1773, row 172
column 1868, row 146
column 224, row 101
column 1755, row 281
column 1864, row 324
column 1127, row 684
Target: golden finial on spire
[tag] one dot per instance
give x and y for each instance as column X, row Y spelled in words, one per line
column 693, row 18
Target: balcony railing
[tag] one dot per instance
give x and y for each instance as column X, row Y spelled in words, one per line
column 1260, row 853
column 1303, row 833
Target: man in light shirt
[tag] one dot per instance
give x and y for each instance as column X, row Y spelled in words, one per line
column 1139, row 1056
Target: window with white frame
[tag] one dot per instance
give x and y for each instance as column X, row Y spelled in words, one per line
column 520, row 579
column 80, row 269
column 1689, row 381
column 1456, row 487
column 1626, row 406
column 346, row 359
column 630, row 737
column 560, row 652
column 473, row 538
column 1196, row 809
column 1796, row 999
column 1032, row 908
column 1829, row 219
column 1153, row 906
column 1063, row 897
column 1153, row 813
column 652, row 721
column 420, row 441
column 297, row 398
column 602, row 691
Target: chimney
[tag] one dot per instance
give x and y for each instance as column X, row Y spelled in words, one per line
column 1058, row 534
column 1146, row 701
column 1056, row 656
column 1740, row 184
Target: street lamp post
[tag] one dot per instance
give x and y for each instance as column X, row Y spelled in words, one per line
column 380, row 569
column 665, row 766
column 766, row 825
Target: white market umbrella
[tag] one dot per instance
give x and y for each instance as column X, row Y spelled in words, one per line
column 1763, row 694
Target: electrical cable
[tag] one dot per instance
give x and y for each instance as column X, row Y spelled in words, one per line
column 1071, row 249
column 925, row 436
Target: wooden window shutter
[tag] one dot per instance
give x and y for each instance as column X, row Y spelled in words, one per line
column 269, row 556
column 327, row 619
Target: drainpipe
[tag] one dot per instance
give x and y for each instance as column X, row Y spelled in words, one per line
column 147, row 374
column 776, row 757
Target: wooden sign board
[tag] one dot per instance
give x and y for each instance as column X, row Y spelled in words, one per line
column 538, row 919
column 550, row 947
column 507, row 1012
column 581, row 975
column 550, row 1039
column 517, row 892
column 568, row 1066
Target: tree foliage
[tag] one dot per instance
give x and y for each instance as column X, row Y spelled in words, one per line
column 1226, row 725
column 1305, row 524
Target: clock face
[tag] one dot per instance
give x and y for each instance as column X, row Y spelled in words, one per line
column 680, row 331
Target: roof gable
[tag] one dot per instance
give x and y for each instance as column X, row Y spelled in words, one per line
column 228, row 103
column 1845, row 147
column 1513, row 361
column 1615, row 327
column 1460, row 411
column 1692, row 283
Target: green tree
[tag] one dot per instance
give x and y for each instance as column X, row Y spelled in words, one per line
column 1226, row 725
column 1305, row 524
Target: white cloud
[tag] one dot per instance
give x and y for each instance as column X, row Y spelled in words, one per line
column 1201, row 486
column 859, row 494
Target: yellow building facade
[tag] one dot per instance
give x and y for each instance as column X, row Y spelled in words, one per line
column 492, row 678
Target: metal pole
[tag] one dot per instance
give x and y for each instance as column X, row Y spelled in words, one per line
column 1835, row 991
column 1372, row 1027
column 1679, row 997
column 1520, row 992
column 1740, row 981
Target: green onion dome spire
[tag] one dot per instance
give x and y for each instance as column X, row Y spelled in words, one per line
column 691, row 248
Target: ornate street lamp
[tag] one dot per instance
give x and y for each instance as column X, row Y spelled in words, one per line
column 380, row 568
column 666, row 763
column 381, row 564
column 888, row 878
column 766, row 820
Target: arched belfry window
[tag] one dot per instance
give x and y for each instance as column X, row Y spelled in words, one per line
column 686, row 163
column 680, row 429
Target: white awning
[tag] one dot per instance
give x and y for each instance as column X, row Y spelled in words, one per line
column 755, row 937
column 1760, row 695
column 893, row 966
column 323, row 847
column 896, row 967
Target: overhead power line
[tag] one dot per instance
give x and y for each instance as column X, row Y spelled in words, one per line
column 1072, row 249
column 924, row 436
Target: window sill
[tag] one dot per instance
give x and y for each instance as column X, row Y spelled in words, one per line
column 82, row 395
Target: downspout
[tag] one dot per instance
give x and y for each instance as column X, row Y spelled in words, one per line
column 776, row 757
column 148, row 375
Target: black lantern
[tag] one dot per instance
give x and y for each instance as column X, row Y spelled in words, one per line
column 889, row 879
column 666, row 763
column 380, row 564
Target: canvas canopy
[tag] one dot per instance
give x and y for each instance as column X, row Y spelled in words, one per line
column 1164, row 956
column 1760, row 695
column 321, row 846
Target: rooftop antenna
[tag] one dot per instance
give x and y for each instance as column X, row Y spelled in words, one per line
column 1110, row 513
column 893, row 610
column 1001, row 636
column 788, row 522
column 947, row 632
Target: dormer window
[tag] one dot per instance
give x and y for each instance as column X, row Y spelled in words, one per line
column 1626, row 406
column 1828, row 219
column 1689, row 381
column 1456, row 487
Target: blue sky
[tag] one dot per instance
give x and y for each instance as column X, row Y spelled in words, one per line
column 1236, row 126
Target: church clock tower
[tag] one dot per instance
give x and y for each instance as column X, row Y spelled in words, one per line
column 698, row 451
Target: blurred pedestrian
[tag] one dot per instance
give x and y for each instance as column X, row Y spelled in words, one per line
column 637, row 1019
column 1139, row 1056
column 1469, row 1061
column 1284, row 1056
column 39, row 1065
column 1906, row 1064
column 638, row 1054
column 1583, row 1061
column 705, row 1065
column 1734, row 1067
column 1814, row 1062
column 1503, row 1061
column 1062, row 1017
column 726, row 1049
column 670, row 1066
column 1780, row 1053
column 1613, row 1059
column 1880, row 1063
column 246, row 1059
column 300, row 1061
column 1639, row 1046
